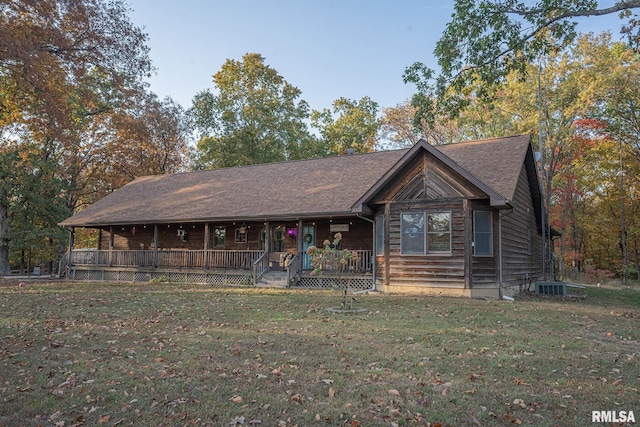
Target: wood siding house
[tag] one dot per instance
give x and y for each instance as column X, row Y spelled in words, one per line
column 461, row 219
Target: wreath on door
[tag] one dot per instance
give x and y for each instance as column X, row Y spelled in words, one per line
column 308, row 238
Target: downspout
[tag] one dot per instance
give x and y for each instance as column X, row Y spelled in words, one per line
column 373, row 258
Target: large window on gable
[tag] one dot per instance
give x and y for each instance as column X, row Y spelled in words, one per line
column 425, row 233
column 483, row 233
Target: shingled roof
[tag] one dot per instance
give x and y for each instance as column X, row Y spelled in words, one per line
column 296, row 189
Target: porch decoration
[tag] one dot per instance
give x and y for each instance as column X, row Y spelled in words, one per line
column 243, row 228
column 332, row 258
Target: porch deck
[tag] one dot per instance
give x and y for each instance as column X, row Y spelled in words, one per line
column 213, row 267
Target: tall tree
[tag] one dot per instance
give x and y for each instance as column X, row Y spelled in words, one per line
column 56, row 57
column 487, row 40
column 356, row 125
column 398, row 131
column 254, row 116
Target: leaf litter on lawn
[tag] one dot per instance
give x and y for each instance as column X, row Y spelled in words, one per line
column 167, row 354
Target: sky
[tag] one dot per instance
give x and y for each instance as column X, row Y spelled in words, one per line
column 326, row 48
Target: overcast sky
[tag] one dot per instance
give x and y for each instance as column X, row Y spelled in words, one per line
column 327, row 49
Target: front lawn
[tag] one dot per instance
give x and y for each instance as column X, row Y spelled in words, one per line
column 84, row 354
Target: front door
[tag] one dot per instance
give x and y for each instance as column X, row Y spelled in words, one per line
column 308, row 240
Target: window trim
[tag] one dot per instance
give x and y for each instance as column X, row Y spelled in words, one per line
column 425, row 233
column 476, row 232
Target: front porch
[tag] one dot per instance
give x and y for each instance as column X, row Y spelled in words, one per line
column 212, row 267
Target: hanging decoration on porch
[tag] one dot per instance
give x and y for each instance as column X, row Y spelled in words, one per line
column 243, row 228
column 308, row 238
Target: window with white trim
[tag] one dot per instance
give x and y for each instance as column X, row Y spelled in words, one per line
column 425, row 233
column 483, row 233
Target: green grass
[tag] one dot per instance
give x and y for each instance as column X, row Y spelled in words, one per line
column 166, row 355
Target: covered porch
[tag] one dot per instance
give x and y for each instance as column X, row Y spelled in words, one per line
column 232, row 253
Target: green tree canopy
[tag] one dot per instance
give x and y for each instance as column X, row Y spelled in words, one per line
column 356, row 125
column 253, row 116
column 487, row 40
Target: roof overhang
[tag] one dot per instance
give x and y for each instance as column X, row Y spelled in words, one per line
column 495, row 199
column 262, row 218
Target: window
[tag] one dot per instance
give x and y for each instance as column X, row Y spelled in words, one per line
column 379, row 234
column 278, row 244
column 483, row 233
column 219, row 236
column 418, row 240
column 241, row 236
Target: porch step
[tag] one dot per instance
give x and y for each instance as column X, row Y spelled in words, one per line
column 273, row 279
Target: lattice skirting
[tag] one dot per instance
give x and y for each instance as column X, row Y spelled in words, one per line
column 315, row 282
column 194, row 277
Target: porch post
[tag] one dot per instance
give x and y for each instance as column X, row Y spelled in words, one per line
column 111, row 238
column 72, row 236
column 156, row 232
column 267, row 240
column 207, row 237
column 299, row 238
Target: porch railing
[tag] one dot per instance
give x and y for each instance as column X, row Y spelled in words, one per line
column 361, row 263
column 255, row 261
column 294, row 268
column 167, row 258
column 260, row 266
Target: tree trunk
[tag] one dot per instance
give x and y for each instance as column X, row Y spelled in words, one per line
column 5, row 268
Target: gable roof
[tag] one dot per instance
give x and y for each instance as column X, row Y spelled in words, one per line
column 333, row 186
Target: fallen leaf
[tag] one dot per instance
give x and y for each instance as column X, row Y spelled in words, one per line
column 104, row 419
column 236, row 399
column 332, row 392
column 237, row 420
column 393, row 392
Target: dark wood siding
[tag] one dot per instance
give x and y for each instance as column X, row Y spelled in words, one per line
column 359, row 236
column 427, row 270
column 521, row 258
column 428, row 185
column 484, row 269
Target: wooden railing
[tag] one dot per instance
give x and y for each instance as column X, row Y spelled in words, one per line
column 258, row 261
column 361, row 263
column 294, row 268
column 260, row 266
column 167, row 258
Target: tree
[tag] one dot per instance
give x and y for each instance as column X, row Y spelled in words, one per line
column 356, row 125
column 150, row 138
column 62, row 65
column 255, row 116
column 398, row 130
column 487, row 40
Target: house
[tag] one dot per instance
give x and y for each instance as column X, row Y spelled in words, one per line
column 462, row 219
